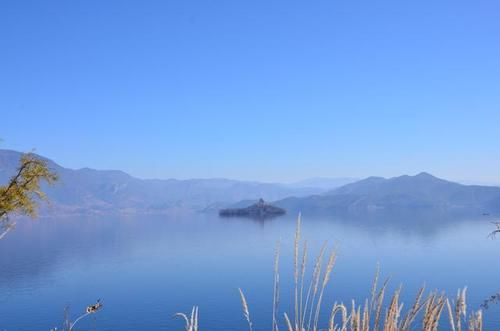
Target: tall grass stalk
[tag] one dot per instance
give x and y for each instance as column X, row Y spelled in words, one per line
column 371, row 315
column 288, row 323
column 246, row 312
column 326, row 279
column 296, row 272
column 302, row 275
column 191, row 322
column 313, row 286
column 276, row 284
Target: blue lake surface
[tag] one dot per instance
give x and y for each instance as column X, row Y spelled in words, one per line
column 147, row 268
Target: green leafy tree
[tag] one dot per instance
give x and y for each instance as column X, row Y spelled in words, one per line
column 22, row 193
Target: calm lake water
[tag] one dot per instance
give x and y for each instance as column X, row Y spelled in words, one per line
column 145, row 269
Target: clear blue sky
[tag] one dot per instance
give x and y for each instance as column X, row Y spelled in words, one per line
column 262, row 90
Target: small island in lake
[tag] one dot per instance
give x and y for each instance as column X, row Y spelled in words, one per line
column 261, row 209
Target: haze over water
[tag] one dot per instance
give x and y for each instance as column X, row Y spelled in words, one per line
column 145, row 269
column 164, row 107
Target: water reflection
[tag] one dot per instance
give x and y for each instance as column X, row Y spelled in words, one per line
column 147, row 268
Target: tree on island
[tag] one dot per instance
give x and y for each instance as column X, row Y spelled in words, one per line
column 22, row 192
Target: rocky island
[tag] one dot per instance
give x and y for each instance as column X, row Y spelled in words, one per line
column 261, row 209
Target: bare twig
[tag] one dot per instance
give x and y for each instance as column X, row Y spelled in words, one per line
column 493, row 234
column 92, row 309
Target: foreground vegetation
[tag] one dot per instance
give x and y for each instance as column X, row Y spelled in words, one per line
column 22, row 193
column 377, row 312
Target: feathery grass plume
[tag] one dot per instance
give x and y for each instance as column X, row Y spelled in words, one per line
column 276, row 293
column 194, row 318
column 433, row 310
column 450, row 315
column 379, row 303
column 438, row 312
column 428, row 313
column 326, row 279
column 365, row 323
column 191, row 323
column 313, row 286
column 296, row 271
column 412, row 314
column 343, row 311
column 476, row 321
column 360, row 317
column 374, row 287
column 355, row 318
column 302, row 275
column 428, row 305
column 288, row 323
column 459, row 310
column 460, row 307
column 246, row 312
column 392, row 314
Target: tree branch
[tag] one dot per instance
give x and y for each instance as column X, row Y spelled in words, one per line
column 493, row 234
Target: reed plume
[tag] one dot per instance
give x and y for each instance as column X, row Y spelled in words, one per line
column 296, row 272
column 191, row 322
column 302, row 275
column 369, row 316
column 276, row 284
column 246, row 312
column 326, row 279
column 288, row 323
column 313, row 286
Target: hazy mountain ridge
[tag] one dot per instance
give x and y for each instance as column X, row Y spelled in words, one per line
column 101, row 191
column 404, row 194
column 87, row 190
column 325, row 183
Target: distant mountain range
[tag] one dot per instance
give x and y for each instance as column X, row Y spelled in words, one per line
column 324, row 183
column 91, row 191
column 404, row 195
column 102, row 191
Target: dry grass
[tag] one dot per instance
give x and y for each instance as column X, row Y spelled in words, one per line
column 276, row 287
column 191, row 322
column 69, row 325
column 373, row 314
column 246, row 312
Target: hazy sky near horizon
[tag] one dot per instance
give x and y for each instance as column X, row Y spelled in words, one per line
column 261, row 90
